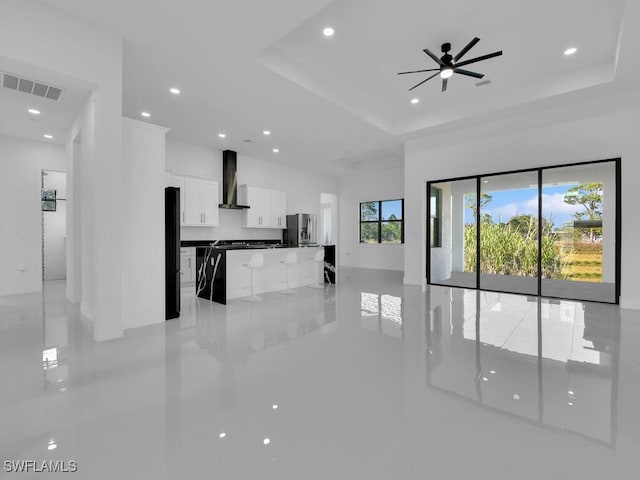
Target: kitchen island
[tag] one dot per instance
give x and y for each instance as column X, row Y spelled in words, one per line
column 222, row 276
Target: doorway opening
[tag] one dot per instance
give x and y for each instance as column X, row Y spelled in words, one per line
column 328, row 218
column 54, row 225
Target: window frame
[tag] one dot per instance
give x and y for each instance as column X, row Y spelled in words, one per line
column 380, row 221
column 435, row 192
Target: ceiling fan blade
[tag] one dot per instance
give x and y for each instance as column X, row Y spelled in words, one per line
column 468, row 47
column 478, row 59
column 444, row 84
column 434, row 56
column 434, row 75
column 420, row 71
column 468, row 73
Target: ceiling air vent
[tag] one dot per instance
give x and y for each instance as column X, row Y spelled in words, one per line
column 32, row 87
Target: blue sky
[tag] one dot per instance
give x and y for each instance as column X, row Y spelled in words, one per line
column 506, row 204
column 389, row 208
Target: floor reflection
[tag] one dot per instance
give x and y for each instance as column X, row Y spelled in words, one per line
column 237, row 334
column 554, row 363
column 382, row 314
column 334, row 380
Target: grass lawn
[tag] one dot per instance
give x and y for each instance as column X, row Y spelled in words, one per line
column 581, row 262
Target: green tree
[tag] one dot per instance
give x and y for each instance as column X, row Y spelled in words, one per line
column 391, row 230
column 369, row 231
column 589, row 196
column 526, row 224
column 369, row 211
column 470, row 203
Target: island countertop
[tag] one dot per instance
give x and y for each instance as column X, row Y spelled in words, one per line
column 222, row 274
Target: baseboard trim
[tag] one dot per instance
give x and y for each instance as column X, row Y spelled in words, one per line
column 630, row 303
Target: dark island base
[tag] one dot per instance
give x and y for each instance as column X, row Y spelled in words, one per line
column 211, row 265
column 330, row 264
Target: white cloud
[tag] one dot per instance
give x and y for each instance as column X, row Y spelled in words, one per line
column 555, row 205
column 552, row 206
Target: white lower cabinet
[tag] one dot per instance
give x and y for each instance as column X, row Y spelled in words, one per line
column 187, row 266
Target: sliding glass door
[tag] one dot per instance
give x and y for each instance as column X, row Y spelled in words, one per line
column 550, row 231
column 509, row 233
column 452, row 227
column 579, row 202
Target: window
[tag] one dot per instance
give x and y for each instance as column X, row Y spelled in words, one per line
column 382, row 221
column 435, row 211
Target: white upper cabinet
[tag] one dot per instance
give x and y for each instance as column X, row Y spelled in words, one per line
column 198, row 201
column 279, row 209
column 268, row 208
column 210, row 203
column 192, row 202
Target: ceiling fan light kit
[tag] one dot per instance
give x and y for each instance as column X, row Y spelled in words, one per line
column 448, row 64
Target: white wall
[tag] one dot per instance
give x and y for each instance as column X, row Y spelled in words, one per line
column 303, row 188
column 599, row 128
column 54, row 228
column 21, row 164
column 143, row 278
column 93, row 58
column 363, row 187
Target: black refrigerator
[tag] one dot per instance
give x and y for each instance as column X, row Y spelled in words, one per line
column 172, row 251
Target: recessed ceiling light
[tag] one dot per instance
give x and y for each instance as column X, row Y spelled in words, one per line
column 570, row 51
column 33, row 111
column 266, row 441
column 328, row 32
column 446, row 73
column 145, row 114
column 266, row 132
column 47, row 136
column 276, row 150
column 415, row 100
column 175, row 91
column 274, row 406
column 516, row 396
column 222, row 435
column 222, row 135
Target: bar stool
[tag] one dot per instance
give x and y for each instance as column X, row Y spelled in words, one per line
column 290, row 259
column 256, row 261
column 318, row 258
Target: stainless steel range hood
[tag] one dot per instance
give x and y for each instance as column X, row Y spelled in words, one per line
column 230, row 181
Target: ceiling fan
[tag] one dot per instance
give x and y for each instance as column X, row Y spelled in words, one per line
column 448, row 65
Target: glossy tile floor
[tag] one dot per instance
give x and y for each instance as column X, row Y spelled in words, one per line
column 366, row 380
